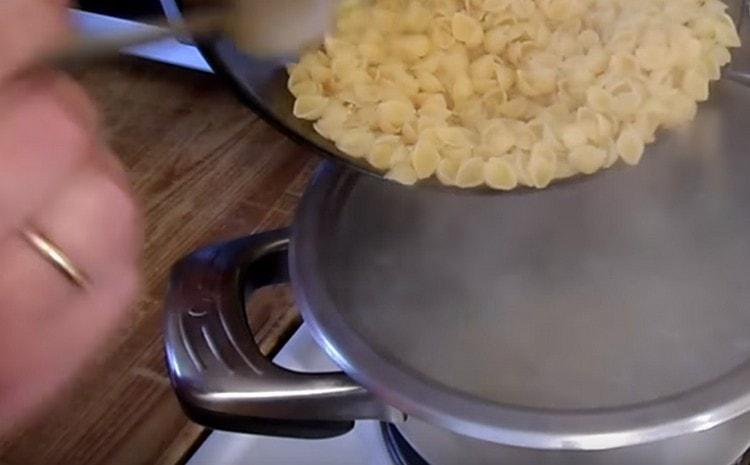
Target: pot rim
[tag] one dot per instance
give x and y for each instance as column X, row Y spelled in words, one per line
column 698, row 409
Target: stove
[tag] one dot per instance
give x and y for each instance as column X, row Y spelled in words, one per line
column 368, row 443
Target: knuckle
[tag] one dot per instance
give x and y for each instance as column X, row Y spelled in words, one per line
column 38, row 126
column 73, row 106
column 73, row 139
column 130, row 283
column 120, row 212
column 68, row 136
column 119, row 203
column 100, row 220
column 75, row 100
column 127, row 209
column 123, row 287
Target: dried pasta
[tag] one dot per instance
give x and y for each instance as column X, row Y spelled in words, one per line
column 509, row 93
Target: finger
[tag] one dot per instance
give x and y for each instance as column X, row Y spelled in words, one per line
column 30, row 288
column 73, row 99
column 92, row 317
column 94, row 219
column 112, row 167
column 94, row 222
column 30, row 29
column 85, row 322
column 47, row 129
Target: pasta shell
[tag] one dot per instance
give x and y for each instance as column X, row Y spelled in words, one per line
column 587, row 159
column 428, row 82
column 541, row 170
column 425, row 158
column 310, row 107
column 630, row 146
column 441, row 33
column 467, row 30
column 394, row 114
column 695, row 85
column 356, row 142
column 447, row 171
column 303, row 88
column 499, row 137
column 382, row 153
column 413, row 46
column 496, row 39
column 471, row 173
column 453, row 136
column 575, row 135
column 416, row 17
column 402, row 173
column 499, row 174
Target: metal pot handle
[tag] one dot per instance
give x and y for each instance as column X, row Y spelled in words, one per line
column 220, row 376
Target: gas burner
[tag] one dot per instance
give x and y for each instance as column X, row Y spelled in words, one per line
column 401, row 452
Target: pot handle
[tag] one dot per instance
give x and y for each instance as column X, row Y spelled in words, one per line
column 217, row 370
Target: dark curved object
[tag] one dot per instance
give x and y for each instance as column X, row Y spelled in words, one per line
column 220, row 376
column 400, row 451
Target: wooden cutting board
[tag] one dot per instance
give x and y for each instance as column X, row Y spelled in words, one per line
column 205, row 169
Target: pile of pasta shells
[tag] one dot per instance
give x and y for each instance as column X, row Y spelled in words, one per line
column 509, row 93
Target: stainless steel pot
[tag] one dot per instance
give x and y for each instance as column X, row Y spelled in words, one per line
column 602, row 321
column 598, row 322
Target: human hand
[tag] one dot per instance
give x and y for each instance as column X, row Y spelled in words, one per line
column 57, row 177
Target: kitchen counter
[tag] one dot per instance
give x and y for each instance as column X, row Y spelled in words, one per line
column 205, row 169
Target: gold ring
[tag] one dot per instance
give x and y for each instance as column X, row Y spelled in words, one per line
column 52, row 253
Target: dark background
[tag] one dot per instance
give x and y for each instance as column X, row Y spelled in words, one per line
column 122, row 8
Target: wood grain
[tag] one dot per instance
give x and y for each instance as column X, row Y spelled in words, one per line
column 205, row 169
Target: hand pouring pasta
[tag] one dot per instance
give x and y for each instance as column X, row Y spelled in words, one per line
column 509, row 93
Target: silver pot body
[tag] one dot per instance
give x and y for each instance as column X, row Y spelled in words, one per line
column 607, row 323
column 224, row 382
column 722, row 445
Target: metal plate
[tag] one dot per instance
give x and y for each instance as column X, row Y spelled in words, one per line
column 616, row 305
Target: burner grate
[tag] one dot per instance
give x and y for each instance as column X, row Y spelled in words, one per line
column 400, row 451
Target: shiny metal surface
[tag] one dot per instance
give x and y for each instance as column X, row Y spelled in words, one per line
column 718, row 446
column 219, row 374
column 601, row 321
column 602, row 313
